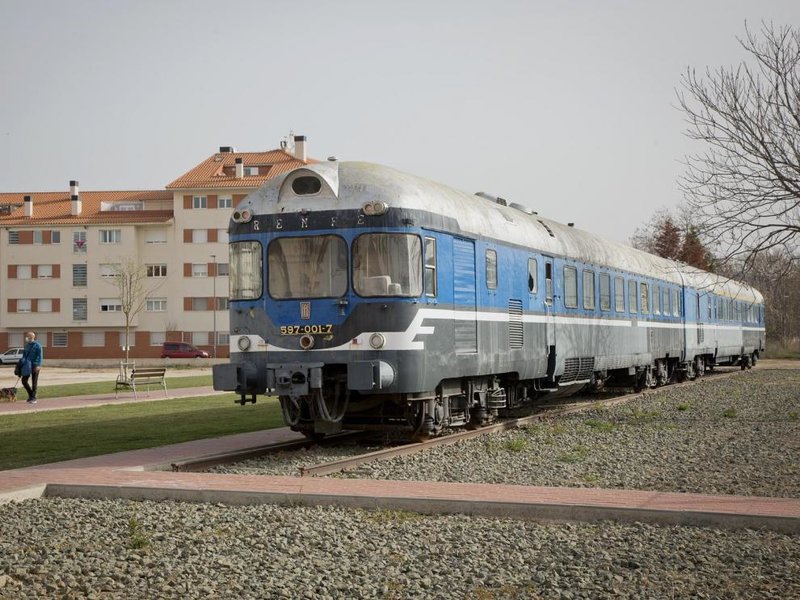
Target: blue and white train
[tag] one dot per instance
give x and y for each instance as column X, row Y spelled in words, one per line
column 367, row 298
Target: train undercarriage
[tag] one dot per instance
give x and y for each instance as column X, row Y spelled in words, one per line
column 317, row 401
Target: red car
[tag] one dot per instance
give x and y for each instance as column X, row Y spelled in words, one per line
column 181, row 350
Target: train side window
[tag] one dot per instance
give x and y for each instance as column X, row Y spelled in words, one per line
column 619, row 294
column 632, row 295
column 644, row 293
column 533, row 276
column 656, row 300
column 588, row 290
column 491, row 269
column 548, row 283
column 605, row 291
column 570, row 287
column 709, row 298
column 430, row 267
column 676, row 309
column 665, row 300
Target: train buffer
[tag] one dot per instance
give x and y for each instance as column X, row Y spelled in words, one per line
column 142, row 377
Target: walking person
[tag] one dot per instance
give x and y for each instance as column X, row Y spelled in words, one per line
column 30, row 363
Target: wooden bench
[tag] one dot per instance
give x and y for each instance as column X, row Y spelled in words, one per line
column 144, row 376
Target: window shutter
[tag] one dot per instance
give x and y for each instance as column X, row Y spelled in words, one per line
column 212, row 235
column 47, row 237
column 187, row 236
column 238, row 198
column 56, row 271
column 56, row 305
column 187, row 202
column 12, row 271
column 26, row 237
column 12, row 305
column 212, row 201
column 187, row 303
column 187, row 269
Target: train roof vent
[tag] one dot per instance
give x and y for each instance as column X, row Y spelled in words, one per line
column 490, row 198
column 547, row 227
column 522, row 208
column 306, row 185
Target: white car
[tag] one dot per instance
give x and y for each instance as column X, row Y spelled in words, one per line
column 11, row 356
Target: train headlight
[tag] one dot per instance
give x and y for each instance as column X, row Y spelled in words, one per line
column 307, row 342
column 376, row 340
column 374, row 208
column 242, row 216
column 243, row 343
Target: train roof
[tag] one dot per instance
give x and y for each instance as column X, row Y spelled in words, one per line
column 348, row 185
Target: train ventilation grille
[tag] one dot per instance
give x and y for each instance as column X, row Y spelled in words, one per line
column 577, row 369
column 515, row 323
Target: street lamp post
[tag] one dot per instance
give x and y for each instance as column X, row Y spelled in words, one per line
column 214, row 303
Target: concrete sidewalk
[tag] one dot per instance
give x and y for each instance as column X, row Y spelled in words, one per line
column 124, row 397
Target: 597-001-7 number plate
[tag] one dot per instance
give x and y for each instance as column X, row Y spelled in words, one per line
column 306, row 329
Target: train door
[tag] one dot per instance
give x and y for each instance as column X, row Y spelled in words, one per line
column 465, row 327
column 549, row 316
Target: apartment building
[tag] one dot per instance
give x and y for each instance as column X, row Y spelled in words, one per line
column 59, row 252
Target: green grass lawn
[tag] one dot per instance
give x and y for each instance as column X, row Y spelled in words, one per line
column 50, row 436
column 106, row 387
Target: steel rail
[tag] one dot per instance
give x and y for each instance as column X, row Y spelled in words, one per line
column 549, row 411
column 201, row 463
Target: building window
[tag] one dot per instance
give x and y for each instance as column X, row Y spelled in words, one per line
column 199, row 303
column 79, row 275
column 632, row 295
column 108, row 270
column 157, row 338
column 157, row 270
column 156, row 305
column 250, row 171
column 110, row 305
column 55, row 237
column 131, row 339
column 94, row 339
column 533, row 276
column 430, row 267
column 24, row 305
column 155, row 236
column 79, row 241
column 13, row 237
column 619, row 294
column 23, row 271
column 199, row 202
column 37, row 236
column 44, row 271
column 199, row 236
column 60, row 339
column 223, row 338
column 644, row 294
column 79, row 309
column 200, row 270
column 225, row 202
column 222, row 269
column 588, row 290
column 222, row 303
column 44, row 305
column 570, row 287
column 491, row 269
column 605, row 291
column 200, row 338
column 222, row 236
column 110, row 236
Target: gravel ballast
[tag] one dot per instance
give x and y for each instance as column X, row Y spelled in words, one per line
column 737, row 435
column 67, row 548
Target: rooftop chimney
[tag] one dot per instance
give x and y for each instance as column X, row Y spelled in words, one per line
column 226, row 149
column 27, row 206
column 300, row 147
column 76, row 205
column 239, row 167
column 73, row 187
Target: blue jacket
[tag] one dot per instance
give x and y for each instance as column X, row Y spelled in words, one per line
column 31, row 357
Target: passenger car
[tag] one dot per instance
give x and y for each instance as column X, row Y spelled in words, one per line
column 11, row 356
column 181, row 350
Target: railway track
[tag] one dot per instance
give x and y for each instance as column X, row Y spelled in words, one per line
column 544, row 412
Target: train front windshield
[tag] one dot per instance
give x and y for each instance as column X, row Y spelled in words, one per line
column 307, row 267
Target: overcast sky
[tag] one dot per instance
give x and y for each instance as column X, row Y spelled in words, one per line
column 568, row 107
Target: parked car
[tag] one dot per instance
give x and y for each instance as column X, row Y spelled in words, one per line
column 181, row 350
column 11, row 356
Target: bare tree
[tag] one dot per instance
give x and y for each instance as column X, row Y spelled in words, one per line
column 745, row 187
column 130, row 279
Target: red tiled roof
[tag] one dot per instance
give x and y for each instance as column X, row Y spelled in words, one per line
column 53, row 208
column 218, row 171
